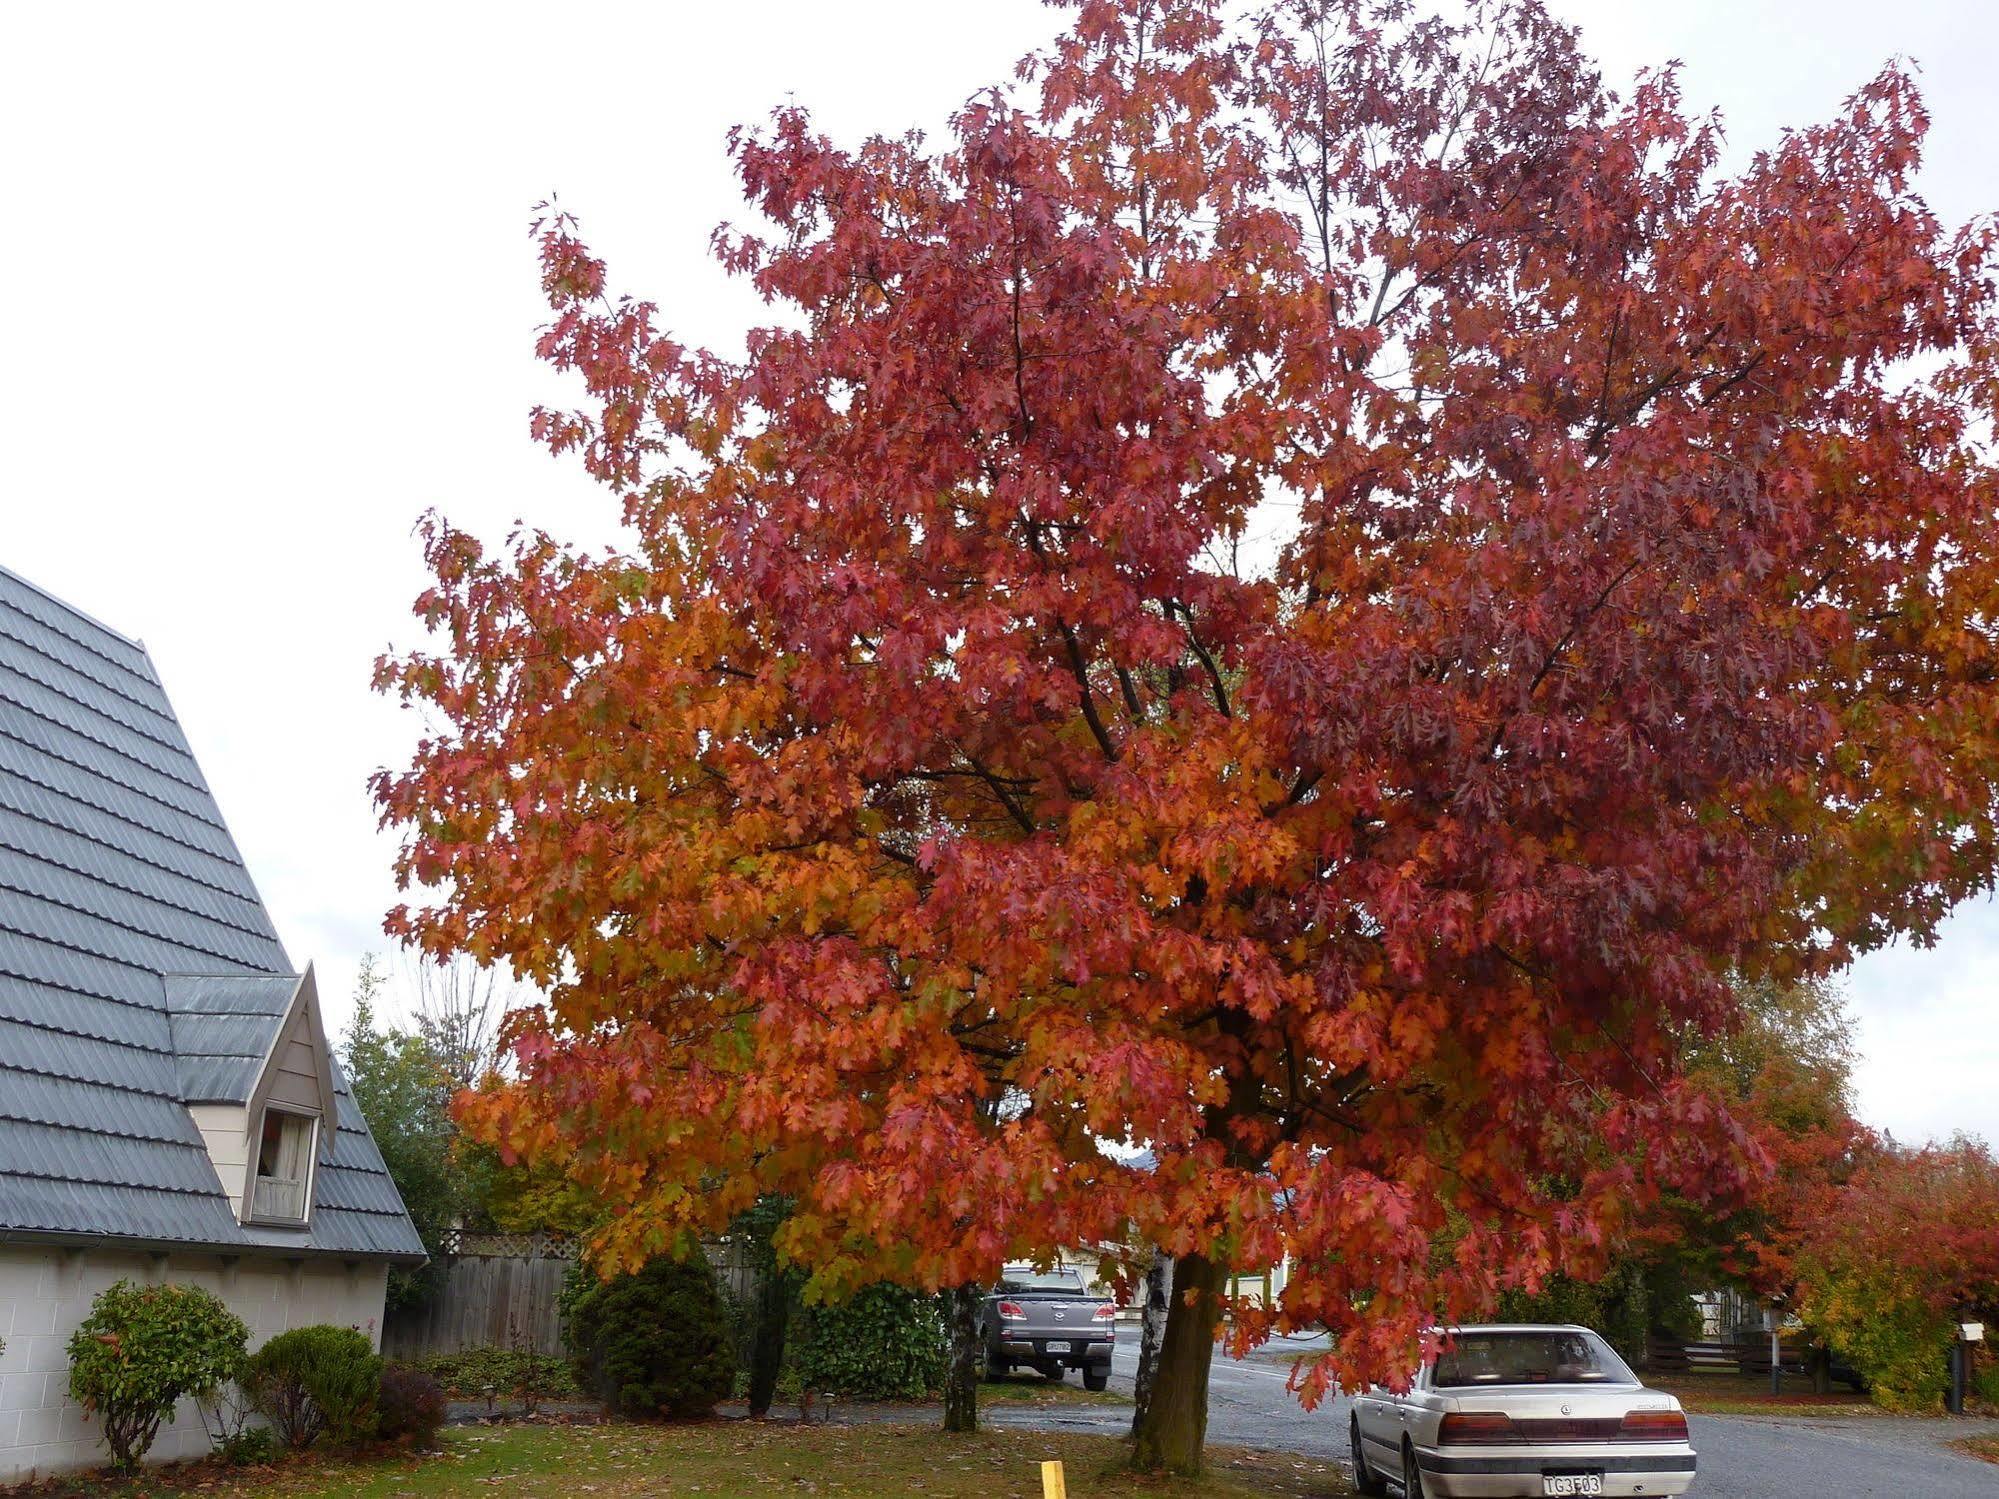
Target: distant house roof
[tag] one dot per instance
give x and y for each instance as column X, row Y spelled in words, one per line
column 139, row 970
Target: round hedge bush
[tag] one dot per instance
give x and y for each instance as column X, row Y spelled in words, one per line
column 315, row 1381
column 141, row 1349
column 411, row 1406
column 657, row 1343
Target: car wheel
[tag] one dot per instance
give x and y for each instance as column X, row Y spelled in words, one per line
column 996, row 1367
column 1412, row 1476
column 1365, row 1479
column 1097, row 1377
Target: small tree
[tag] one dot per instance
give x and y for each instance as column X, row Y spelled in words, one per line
column 656, row 1343
column 770, row 1315
column 403, row 1089
column 143, row 1348
column 460, row 1005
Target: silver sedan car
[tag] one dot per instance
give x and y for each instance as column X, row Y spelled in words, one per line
column 1522, row 1409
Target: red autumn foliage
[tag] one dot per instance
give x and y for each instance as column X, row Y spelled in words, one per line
column 1898, row 1256
column 927, row 794
column 1931, row 1213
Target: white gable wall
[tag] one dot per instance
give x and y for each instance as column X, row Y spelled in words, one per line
column 45, row 1293
column 294, row 1074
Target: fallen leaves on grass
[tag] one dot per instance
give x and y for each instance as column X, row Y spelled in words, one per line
column 730, row 1460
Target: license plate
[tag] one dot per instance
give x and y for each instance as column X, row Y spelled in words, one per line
column 1571, row 1483
column 1064, row 1348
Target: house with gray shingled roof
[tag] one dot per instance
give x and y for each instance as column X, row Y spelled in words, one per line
column 169, row 1106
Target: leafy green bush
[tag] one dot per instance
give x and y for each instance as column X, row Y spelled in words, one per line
column 656, row 1343
column 1985, row 1381
column 315, row 1381
column 411, row 1406
column 1617, row 1306
column 247, row 1446
column 1884, row 1327
column 471, row 1372
column 141, row 1349
column 883, row 1344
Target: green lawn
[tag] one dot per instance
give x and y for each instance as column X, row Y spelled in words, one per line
column 735, row 1460
column 1744, row 1395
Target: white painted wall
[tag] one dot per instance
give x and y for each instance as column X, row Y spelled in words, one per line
column 225, row 1131
column 44, row 1293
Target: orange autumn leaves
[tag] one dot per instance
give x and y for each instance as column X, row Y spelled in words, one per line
column 940, row 783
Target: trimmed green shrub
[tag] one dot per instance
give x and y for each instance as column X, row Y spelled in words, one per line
column 655, row 1343
column 410, row 1407
column 885, row 1343
column 315, row 1381
column 144, row 1347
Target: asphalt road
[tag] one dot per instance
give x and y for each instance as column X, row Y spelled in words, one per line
column 1740, row 1457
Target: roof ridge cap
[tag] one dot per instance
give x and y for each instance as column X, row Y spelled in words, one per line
column 88, row 618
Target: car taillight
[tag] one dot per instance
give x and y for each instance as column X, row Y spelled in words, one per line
column 1106, row 1313
column 1653, row 1426
column 1010, row 1312
column 1475, row 1428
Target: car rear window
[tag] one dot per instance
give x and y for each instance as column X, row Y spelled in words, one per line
column 1016, row 1280
column 1556, row 1356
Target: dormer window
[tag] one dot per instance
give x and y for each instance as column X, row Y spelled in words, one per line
column 281, row 1190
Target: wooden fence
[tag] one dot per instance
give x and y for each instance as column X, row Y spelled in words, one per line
column 485, row 1300
column 502, row 1291
column 1669, row 1356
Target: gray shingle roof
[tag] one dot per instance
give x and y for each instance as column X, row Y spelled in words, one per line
column 139, row 970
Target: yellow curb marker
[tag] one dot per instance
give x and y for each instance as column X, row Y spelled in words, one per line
column 1052, row 1485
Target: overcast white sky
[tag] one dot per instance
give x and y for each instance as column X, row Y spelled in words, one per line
column 268, row 295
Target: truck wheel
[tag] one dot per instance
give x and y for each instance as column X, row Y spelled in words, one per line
column 1053, row 1373
column 1097, row 1377
column 996, row 1367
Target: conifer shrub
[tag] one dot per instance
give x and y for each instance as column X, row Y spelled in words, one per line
column 657, row 1343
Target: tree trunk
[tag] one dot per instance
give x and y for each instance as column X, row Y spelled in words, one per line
column 1821, row 1370
column 774, row 1290
column 961, row 1383
column 1151, row 1328
column 1176, row 1416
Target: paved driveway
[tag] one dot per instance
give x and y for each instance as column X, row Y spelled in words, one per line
column 1740, row 1457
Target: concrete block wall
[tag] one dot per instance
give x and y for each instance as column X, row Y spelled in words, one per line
column 45, row 1293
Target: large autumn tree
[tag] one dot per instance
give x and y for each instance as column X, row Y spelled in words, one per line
column 943, row 781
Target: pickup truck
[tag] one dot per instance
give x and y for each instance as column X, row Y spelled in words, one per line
column 1047, row 1320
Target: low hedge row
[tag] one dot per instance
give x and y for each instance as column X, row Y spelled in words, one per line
column 144, row 1348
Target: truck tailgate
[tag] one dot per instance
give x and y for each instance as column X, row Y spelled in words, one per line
column 1057, row 1317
